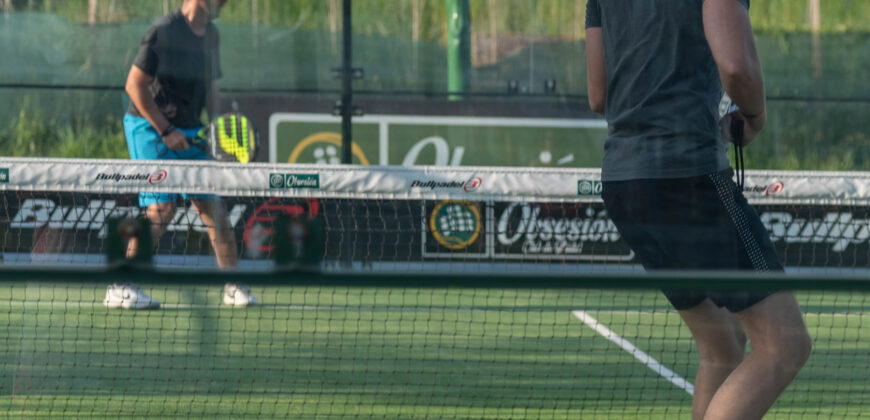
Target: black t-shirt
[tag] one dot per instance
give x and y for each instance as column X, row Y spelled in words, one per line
column 663, row 89
column 183, row 66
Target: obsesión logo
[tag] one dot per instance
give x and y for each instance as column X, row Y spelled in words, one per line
column 538, row 229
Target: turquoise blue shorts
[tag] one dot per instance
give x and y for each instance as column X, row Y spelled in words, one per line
column 144, row 143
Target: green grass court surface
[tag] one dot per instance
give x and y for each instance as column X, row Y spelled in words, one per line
column 343, row 352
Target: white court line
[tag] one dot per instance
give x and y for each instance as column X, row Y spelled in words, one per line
column 666, row 313
column 637, row 353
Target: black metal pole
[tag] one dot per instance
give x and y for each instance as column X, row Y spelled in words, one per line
column 346, row 259
column 346, row 85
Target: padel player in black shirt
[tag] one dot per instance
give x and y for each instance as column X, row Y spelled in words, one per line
column 656, row 71
column 172, row 78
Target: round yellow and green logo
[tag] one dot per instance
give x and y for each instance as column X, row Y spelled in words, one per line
column 455, row 224
column 324, row 148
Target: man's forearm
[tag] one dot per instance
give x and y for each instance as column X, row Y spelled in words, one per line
column 596, row 74
column 729, row 34
column 137, row 88
column 141, row 98
column 746, row 86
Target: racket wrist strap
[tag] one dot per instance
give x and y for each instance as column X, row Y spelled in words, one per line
column 168, row 130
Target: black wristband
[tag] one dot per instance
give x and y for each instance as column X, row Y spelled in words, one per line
column 168, row 130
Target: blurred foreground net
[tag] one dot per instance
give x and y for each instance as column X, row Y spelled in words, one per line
column 500, row 339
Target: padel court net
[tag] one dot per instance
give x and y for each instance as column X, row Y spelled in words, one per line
column 405, row 347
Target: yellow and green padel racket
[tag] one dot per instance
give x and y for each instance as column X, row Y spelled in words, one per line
column 230, row 138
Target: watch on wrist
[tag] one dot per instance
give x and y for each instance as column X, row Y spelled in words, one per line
column 168, row 130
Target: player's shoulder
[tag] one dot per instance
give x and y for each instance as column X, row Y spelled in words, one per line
column 169, row 21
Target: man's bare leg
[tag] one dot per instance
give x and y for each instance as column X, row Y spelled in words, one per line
column 129, row 295
column 781, row 346
column 160, row 215
column 223, row 240
column 721, row 346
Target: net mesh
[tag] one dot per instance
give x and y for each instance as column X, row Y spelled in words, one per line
column 350, row 352
column 364, row 350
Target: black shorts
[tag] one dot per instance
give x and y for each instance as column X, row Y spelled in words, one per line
column 698, row 223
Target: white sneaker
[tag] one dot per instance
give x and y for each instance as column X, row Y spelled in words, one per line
column 237, row 294
column 128, row 296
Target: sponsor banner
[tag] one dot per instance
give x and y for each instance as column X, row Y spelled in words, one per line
column 454, row 229
column 4, row 175
column 588, row 187
column 565, row 231
column 804, row 236
column 466, row 231
column 522, row 231
column 38, row 224
column 217, row 178
column 281, row 181
column 764, row 189
column 389, row 182
column 469, row 186
column 439, row 140
column 825, row 236
column 153, row 178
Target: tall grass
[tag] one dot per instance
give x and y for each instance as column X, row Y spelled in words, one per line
column 32, row 133
column 560, row 18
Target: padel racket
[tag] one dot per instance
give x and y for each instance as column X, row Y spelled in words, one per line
column 230, row 137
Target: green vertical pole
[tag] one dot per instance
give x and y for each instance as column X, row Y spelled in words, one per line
column 458, row 47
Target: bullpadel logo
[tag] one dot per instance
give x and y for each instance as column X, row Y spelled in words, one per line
column 153, row 178
column 158, row 176
column 293, row 181
column 4, row 175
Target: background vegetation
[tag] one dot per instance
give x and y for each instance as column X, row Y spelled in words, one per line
column 561, row 18
column 816, row 63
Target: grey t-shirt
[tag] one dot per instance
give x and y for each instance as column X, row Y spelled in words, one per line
column 663, row 90
column 183, row 66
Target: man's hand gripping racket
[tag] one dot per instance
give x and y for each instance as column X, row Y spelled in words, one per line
column 230, row 137
column 732, row 125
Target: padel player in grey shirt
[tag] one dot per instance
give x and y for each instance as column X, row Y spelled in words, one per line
column 657, row 69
